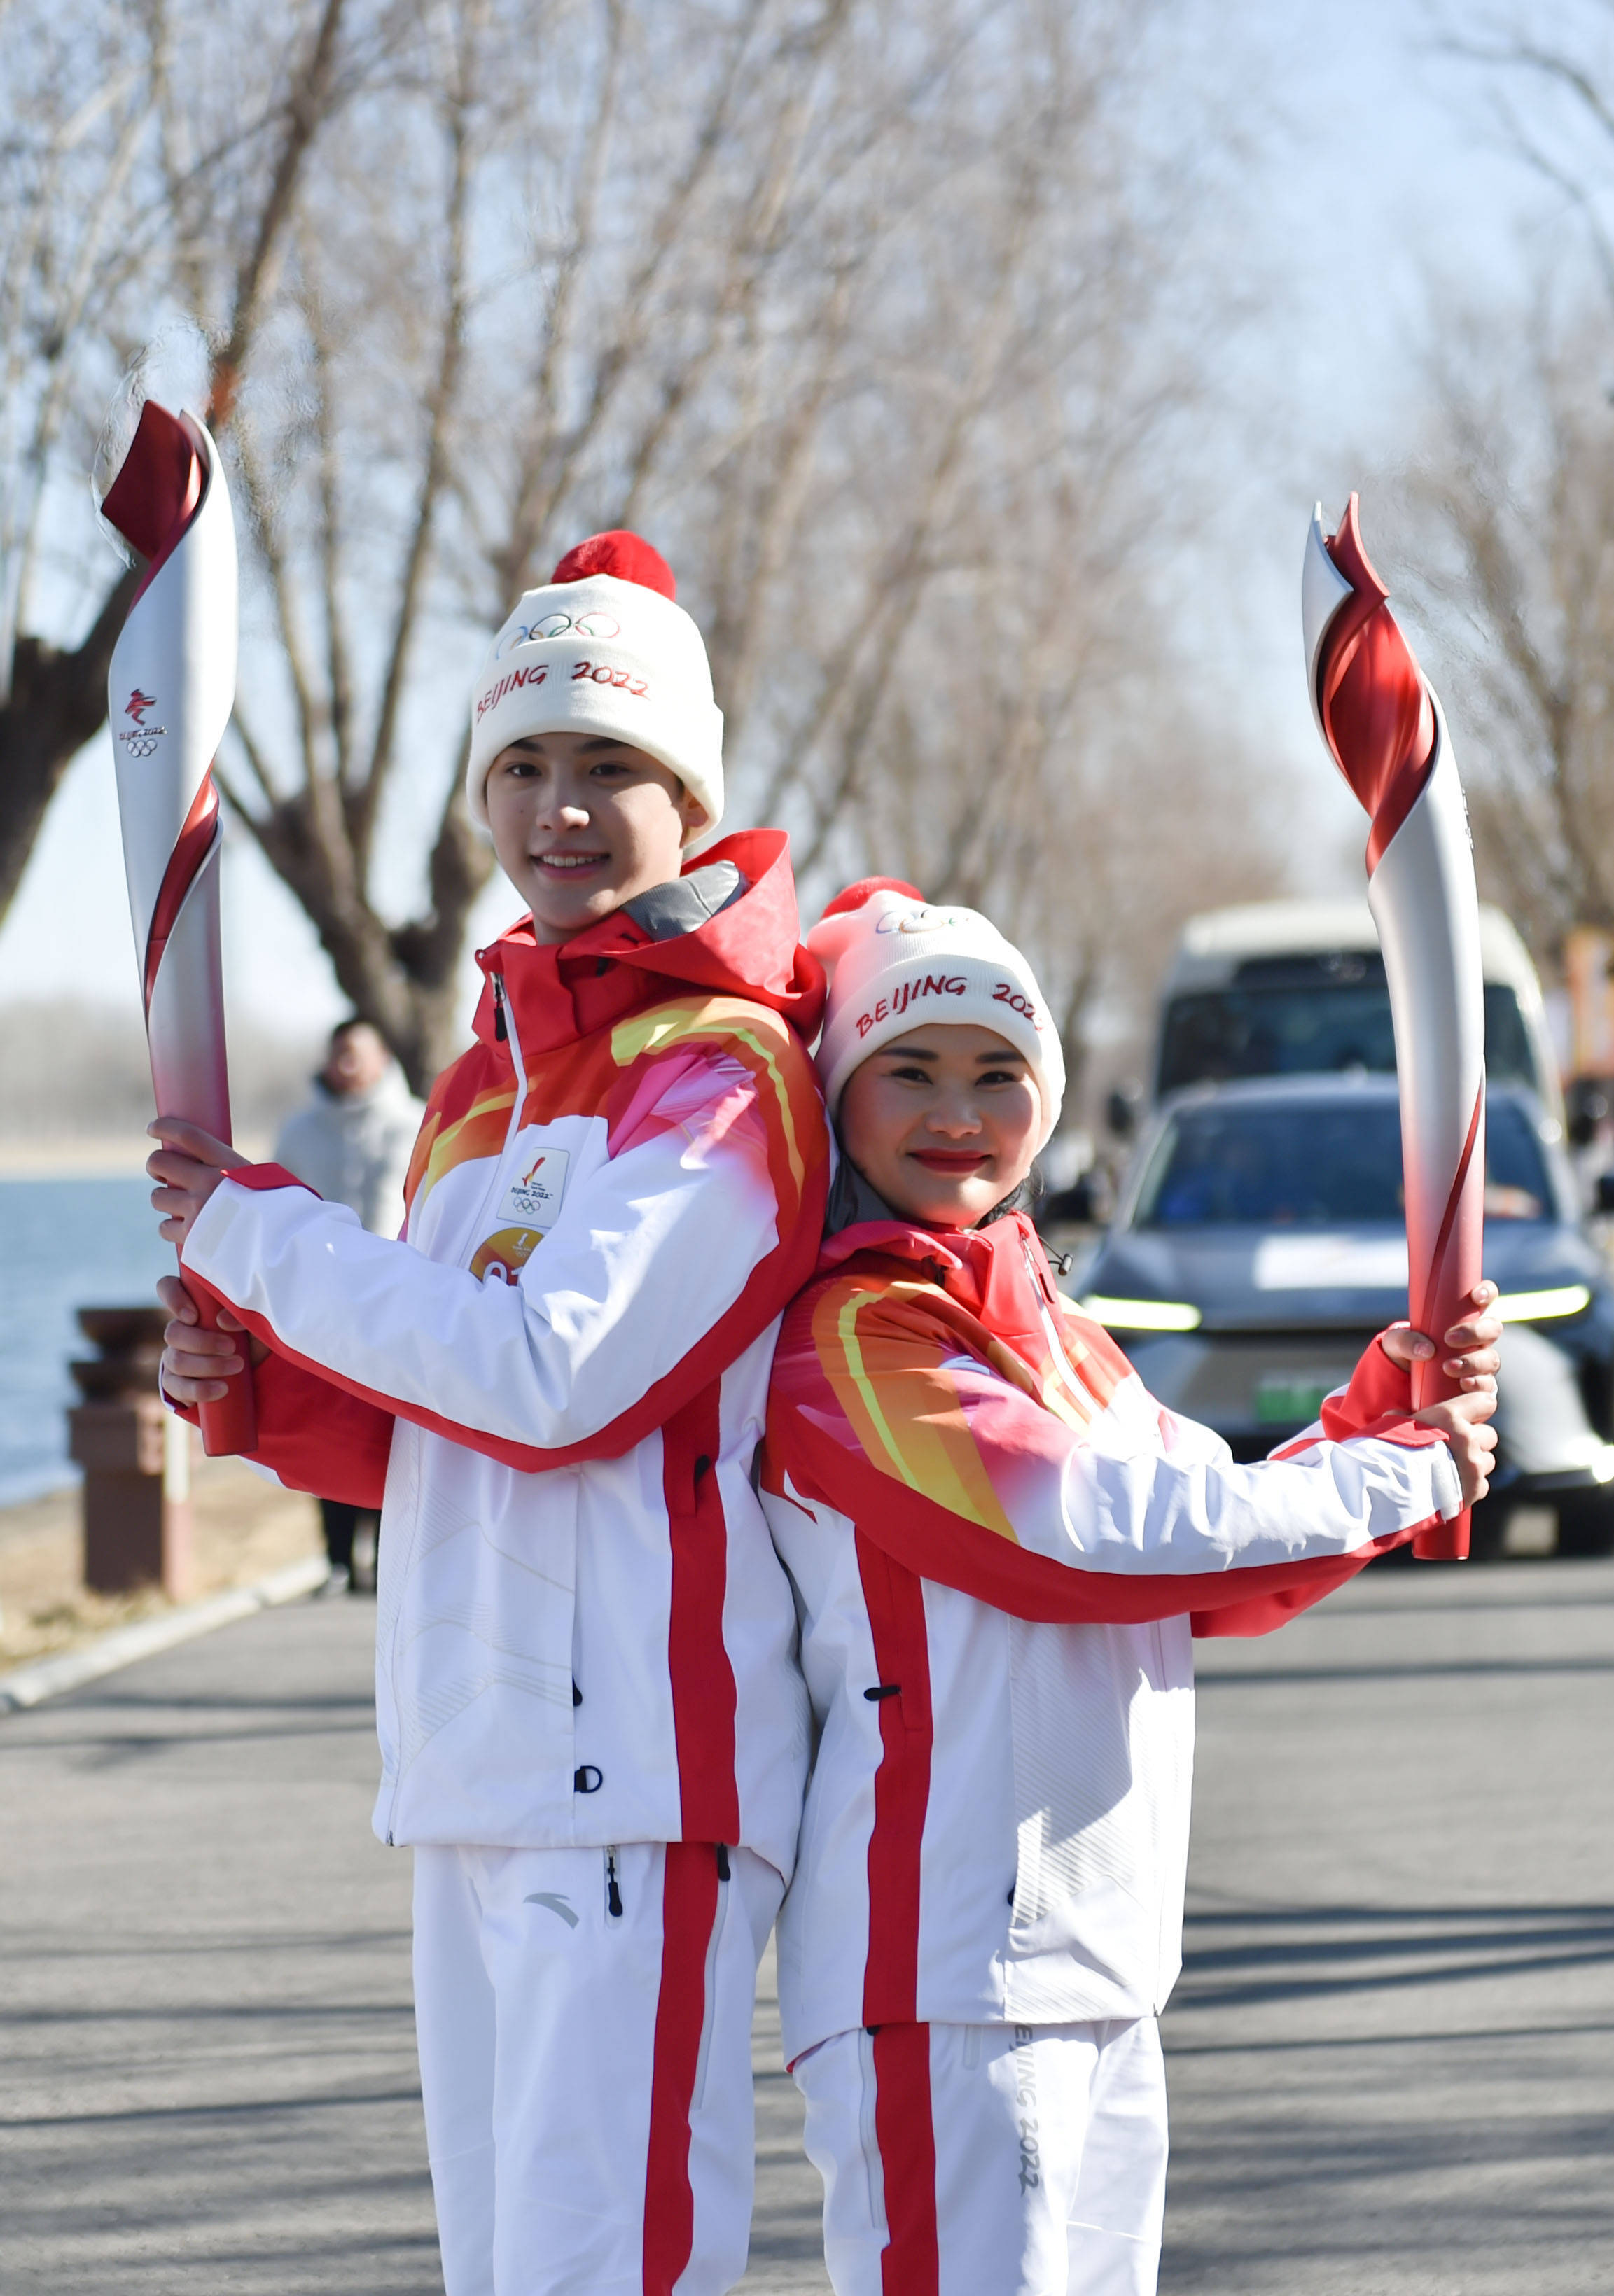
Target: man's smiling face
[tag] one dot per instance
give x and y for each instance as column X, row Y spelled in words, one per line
column 582, row 823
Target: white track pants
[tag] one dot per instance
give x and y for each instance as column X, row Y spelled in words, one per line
column 990, row 2159
column 587, row 2073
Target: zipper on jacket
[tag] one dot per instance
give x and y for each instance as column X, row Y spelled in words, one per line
column 1039, row 1283
column 1051, row 1331
column 613, row 1896
column 505, row 1024
column 506, row 1029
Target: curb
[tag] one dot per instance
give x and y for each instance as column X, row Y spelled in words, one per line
column 49, row 1677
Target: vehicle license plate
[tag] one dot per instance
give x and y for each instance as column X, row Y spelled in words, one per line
column 1292, row 1399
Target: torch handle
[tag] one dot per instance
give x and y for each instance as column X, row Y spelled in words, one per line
column 230, row 1426
column 1445, row 1542
column 1448, row 1541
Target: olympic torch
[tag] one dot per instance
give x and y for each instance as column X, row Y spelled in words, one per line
column 171, row 688
column 1385, row 730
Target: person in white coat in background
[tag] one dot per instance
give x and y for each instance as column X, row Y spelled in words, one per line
column 352, row 1144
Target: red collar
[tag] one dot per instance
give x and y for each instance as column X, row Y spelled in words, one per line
column 562, row 991
column 1000, row 1273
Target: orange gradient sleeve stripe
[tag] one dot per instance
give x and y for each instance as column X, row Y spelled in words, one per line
column 464, row 1121
column 442, row 1145
column 904, row 1410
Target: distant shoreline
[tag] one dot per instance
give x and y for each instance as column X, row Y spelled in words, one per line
column 86, row 1156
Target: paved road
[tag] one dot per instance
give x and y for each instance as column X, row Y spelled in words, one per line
column 1390, row 2056
column 208, row 2061
column 1392, row 2051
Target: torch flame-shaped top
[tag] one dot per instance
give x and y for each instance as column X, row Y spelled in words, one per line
column 155, row 493
column 176, row 662
column 1377, row 716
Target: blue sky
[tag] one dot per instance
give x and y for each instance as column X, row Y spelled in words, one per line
column 1370, row 163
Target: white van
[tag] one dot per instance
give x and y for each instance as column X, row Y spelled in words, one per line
column 1294, row 988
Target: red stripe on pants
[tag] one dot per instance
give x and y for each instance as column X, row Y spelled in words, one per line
column 698, row 1657
column 688, row 1910
column 910, row 2263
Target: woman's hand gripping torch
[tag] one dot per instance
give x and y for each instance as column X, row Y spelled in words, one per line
column 1386, row 732
column 171, row 688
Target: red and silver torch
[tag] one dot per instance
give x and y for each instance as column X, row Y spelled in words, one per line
column 171, row 688
column 1386, row 732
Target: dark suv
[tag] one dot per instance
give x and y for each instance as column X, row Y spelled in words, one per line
column 1258, row 1242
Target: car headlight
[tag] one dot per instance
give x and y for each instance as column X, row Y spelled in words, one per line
column 1536, row 1307
column 1142, row 1315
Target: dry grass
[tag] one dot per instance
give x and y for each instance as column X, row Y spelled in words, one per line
column 241, row 1529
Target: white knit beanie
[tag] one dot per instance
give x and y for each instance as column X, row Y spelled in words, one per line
column 894, row 961
column 602, row 649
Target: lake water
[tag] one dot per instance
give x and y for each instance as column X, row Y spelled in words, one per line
column 65, row 1244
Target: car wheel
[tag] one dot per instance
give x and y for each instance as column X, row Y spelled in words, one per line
column 1585, row 1523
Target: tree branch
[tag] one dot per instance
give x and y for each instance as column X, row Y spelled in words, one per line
column 365, row 800
column 306, row 104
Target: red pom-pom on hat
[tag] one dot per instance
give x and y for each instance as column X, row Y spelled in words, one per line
column 865, row 890
column 628, row 556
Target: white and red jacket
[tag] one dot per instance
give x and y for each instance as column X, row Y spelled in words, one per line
column 560, row 1379
column 1000, row 1543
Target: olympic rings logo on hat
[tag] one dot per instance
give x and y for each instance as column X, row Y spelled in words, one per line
column 592, row 625
column 925, row 920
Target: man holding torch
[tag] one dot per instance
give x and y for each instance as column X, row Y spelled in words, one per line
column 593, row 1729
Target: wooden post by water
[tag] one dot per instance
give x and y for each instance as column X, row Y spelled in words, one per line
column 135, row 1457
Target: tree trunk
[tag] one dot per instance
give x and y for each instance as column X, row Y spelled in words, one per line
column 403, row 978
column 57, row 701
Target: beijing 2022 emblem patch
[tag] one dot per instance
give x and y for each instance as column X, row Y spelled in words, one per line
column 531, row 1207
column 534, row 1199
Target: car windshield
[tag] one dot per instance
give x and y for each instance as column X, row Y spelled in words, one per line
column 1336, row 1016
column 1318, row 1164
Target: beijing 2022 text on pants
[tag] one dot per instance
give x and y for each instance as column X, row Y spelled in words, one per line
column 586, row 2070
column 990, row 2159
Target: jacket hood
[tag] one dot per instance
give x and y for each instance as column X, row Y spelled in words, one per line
column 744, row 944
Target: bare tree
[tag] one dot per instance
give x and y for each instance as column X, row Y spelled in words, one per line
column 1505, row 544
column 113, row 206
column 1504, row 530
column 1543, row 82
column 886, row 322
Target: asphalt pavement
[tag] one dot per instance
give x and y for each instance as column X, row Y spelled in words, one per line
column 1391, row 2053
column 1390, row 2061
